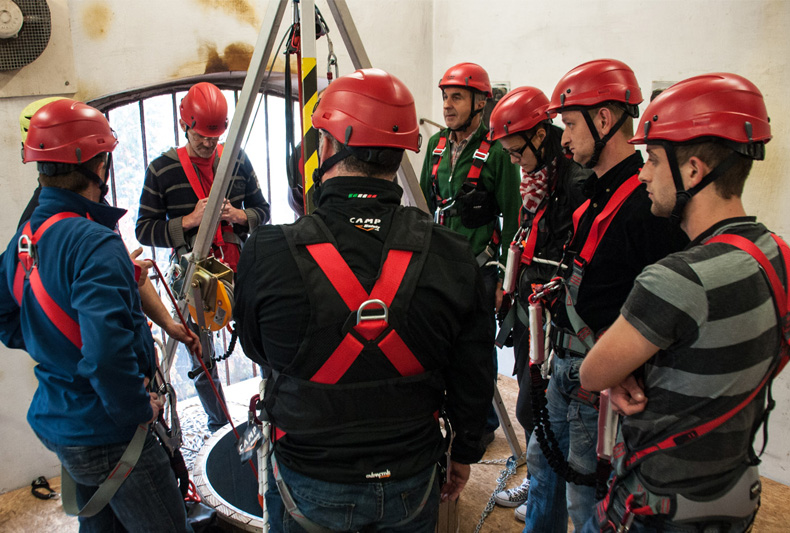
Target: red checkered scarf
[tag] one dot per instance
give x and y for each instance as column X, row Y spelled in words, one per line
column 535, row 185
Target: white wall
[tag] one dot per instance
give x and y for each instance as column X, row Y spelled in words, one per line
column 532, row 42
column 120, row 45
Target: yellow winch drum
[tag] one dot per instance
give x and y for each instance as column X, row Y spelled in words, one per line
column 214, row 279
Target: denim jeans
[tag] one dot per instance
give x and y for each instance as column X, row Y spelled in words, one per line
column 148, row 500
column 211, row 404
column 546, row 506
column 575, row 423
column 375, row 506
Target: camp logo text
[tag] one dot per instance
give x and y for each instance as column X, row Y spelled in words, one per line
column 379, row 475
column 366, row 224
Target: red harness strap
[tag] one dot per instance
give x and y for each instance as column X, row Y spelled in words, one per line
column 29, row 263
column 532, row 239
column 781, row 297
column 196, row 184
column 602, row 221
column 354, row 295
column 473, row 177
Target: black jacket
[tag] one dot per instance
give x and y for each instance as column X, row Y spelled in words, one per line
column 446, row 326
column 635, row 238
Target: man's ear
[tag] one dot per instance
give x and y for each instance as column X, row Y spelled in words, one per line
column 606, row 120
column 183, row 125
column 696, row 169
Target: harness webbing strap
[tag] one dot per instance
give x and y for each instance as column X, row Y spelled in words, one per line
column 196, row 184
column 597, row 230
column 781, row 299
column 473, row 177
column 354, row 295
column 602, row 221
column 59, row 318
column 532, row 238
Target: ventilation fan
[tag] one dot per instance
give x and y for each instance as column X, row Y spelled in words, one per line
column 25, row 28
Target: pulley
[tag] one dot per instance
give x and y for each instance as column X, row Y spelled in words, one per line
column 214, row 281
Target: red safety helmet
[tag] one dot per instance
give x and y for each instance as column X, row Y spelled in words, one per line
column 722, row 105
column 371, row 108
column 467, row 76
column 596, row 82
column 519, row 110
column 205, row 110
column 67, row 131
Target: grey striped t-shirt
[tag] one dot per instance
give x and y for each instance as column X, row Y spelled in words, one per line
column 710, row 310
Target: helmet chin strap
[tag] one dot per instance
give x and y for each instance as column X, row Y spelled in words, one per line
column 683, row 195
column 600, row 143
column 537, row 152
column 472, row 113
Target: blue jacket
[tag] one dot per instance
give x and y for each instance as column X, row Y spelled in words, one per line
column 92, row 396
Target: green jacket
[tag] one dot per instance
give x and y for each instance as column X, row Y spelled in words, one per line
column 498, row 175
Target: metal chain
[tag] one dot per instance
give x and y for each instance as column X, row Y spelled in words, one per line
column 504, row 476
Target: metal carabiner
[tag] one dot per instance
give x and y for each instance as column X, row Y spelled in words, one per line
column 383, row 315
column 331, row 61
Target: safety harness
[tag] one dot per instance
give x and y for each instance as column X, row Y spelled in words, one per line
column 27, row 270
column 371, row 329
column 740, row 497
column 578, row 342
column 224, row 248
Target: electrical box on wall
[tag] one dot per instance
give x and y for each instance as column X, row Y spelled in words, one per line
column 36, row 52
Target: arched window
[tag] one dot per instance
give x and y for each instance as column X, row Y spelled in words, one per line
column 146, row 122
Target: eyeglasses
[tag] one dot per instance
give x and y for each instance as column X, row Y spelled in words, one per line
column 517, row 152
column 200, row 138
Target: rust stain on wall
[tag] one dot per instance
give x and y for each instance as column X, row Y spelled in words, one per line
column 96, row 18
column 236, row 56
column 243, row 10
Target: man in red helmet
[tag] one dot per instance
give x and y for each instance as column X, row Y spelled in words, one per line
column 70, row 299
column 469, row 182
column 174, row 197
column 550, row 193
column 369, row 341
column 689, row 356
column 615, row 237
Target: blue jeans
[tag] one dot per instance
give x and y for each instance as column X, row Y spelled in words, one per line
column 208, row 399
column 376, row 506
column 579, row 421
column 546, row 506
column 148, row 500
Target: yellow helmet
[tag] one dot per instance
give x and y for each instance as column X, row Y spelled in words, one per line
column 30, row 110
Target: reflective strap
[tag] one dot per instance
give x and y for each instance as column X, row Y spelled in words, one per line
column 109, row 486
